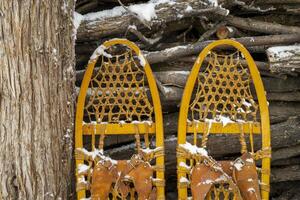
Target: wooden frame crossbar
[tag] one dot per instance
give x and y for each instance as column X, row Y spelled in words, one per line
column 217, row 128
column 118, row 129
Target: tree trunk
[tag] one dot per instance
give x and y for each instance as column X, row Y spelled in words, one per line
column 36, row 95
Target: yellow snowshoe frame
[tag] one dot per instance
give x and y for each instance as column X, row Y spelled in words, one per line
column 208, row 91
column 113, row 126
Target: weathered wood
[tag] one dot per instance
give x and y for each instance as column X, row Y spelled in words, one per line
column 173, row 53
column 284, row 59
column 36, row 99
column 185, row 63
column 286, row 162
column 289, row 173
column 260, row 26
column 290, row 84
column 165, row 12
column 291, row 151
column 186, row 50
column 260, row 2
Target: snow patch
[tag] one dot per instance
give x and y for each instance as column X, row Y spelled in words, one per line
column 229, row 29
column 221, row 178
column 115, row 12
column 148, row 150
column 184, row 165
column 193, row 149
column 82, row 168
column 184, row 180
column 206, row 182
column 224, row 120
column 100, row 51
column 188, row 9
column 252, row 190
column 213, row 2
column 244, row 102
column 132, row 27
column 145, row 11
column 283, row 51
column 238, row 166
column 142, row 60
column 77, row 20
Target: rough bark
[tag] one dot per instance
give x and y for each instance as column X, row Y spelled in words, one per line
column 36, row 101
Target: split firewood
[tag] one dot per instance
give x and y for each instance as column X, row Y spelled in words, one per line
column 180, row 51
column 284, row 59
column 260, row 26
column 289, row 173
column 117, row 20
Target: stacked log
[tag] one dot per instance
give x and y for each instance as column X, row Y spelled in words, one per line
column 171, row 41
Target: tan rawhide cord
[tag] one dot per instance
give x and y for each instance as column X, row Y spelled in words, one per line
column 118, row 91
column 224, row 90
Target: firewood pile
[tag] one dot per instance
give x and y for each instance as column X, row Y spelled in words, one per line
column 172, row 33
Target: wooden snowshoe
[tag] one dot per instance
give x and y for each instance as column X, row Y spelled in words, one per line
column 218, row 99
column 118, row 96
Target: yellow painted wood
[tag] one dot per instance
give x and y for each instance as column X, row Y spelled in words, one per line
column 217, row 128
column 156, row 127
column 116, row 129
column 263, row 107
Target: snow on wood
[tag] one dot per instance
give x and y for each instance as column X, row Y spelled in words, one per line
column 213, row 2
column 115, row 12
column 184, row 180
column 142, row 60
column 145, row 11
column 238, row 166
column 77, row 18
column 250, row 160
column 284, row 59
column 184, row 165
column 100, row 51
column 206, row 182
column 188, row 8
column 97, row 153
column 193, row 149
column 82, row 168
column 222, row 178
column 148, row 150
column 224, row 120
column 252, row 190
